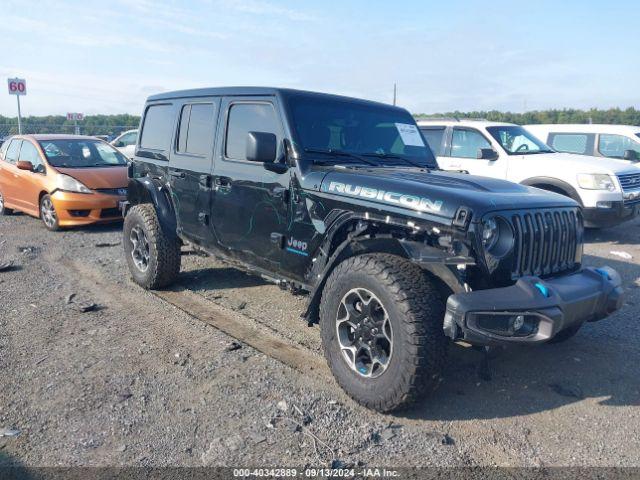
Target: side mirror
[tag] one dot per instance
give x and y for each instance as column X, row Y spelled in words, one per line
column 261, row 147
column 487, row 154
column 24, row 165
column 630, row 155
column 118, row 144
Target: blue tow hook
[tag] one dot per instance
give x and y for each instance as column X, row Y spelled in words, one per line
column 543, row 289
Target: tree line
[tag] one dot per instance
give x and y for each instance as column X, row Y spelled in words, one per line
column 114, row 124
column 91, row 125
column 629, row 116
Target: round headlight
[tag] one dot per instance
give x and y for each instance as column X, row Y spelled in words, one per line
column 490, row 233
column 497, row 236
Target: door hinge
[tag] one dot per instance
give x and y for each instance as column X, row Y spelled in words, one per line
column 205, row 181
column 278, row 239
column 203, row 218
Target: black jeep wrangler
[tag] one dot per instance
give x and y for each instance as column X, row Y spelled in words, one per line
column 342, row 198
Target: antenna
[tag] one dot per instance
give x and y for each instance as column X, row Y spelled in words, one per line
column 395, row 93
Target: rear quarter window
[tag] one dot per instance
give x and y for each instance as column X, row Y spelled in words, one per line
column 13, row 150
column 580, row 143
column 157, row 129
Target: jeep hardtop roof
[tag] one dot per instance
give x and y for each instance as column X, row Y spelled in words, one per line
column 256, row 91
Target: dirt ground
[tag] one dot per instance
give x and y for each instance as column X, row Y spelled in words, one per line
column 141, row 381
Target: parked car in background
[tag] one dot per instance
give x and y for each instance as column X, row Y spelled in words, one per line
column 66, row 180
column 611, row 141
column 607, row 189
column 126, row 142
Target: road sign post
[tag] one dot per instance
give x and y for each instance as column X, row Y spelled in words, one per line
column 17, row 87
column 75, row 117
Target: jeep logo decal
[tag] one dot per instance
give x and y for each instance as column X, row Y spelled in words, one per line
column 409, row 201
column 297, row 244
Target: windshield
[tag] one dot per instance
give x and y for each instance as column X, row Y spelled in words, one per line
column 76, row 153
column 347, row 130
column 518, row 141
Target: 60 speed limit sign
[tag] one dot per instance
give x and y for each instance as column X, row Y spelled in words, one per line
column 17, row 86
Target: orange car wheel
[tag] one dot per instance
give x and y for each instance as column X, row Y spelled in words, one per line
column 48, row 213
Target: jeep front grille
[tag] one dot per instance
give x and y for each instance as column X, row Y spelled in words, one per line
column 546, row 241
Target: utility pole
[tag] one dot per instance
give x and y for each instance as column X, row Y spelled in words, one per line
column 395, row 93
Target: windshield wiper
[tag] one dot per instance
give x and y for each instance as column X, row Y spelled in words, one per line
column 341, row 153
column 398, row 157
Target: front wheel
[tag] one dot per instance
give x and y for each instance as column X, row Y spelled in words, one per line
column 381, row 325
column 48, row 213
column 4, row 210
column 152, row 255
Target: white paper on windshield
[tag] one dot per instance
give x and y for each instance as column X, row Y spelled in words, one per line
column 410, row 134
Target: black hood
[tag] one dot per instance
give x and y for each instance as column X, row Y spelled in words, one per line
column 437, row 192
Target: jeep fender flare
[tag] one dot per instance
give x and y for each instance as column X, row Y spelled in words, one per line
column 149, row 190
column 556, row 184
column 358, row 241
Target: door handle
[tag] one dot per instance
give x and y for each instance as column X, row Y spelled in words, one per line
column 177, row 174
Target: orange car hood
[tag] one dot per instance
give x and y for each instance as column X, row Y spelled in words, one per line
column 105, row 177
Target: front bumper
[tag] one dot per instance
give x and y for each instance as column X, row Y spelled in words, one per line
column 542, row 307
column 610, row 217
column 75, row 209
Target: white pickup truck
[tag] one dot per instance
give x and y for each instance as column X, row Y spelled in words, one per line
column 607, row 189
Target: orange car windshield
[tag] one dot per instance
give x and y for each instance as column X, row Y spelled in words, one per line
column 73, row 153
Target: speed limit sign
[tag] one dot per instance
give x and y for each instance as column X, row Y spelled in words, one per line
column 17, row 86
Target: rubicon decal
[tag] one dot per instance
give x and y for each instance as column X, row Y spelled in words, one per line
column 409, row 201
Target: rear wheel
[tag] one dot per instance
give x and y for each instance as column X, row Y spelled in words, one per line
column 4, row 210
column 48, row 214
column 381, row 326
column 153, row 256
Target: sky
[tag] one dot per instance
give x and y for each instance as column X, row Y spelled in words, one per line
column 107, row 57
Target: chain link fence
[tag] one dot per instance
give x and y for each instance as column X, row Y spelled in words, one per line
column 111, row 131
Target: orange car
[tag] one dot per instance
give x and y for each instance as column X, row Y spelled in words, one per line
column 66, row 180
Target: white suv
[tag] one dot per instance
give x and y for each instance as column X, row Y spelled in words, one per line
column 607, row 189
column 126, row 143
column 612, row 141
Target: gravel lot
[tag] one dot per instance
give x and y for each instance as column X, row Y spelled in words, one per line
column 138, row 381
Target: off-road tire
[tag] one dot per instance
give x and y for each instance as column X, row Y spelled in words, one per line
column 52, row 223
column 416, row 309
column 164, row 251
column 566, row 334
column 3, row 209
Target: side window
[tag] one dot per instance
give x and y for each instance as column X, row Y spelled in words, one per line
column 465, row 143
column 13, row 151
column 157, row 129
column 29, row 153
column 433, row 136
column 3, row 149
column 197, row 123
column 616, row 145
column 129, row 139
column 245, row 118
column 571, row 142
